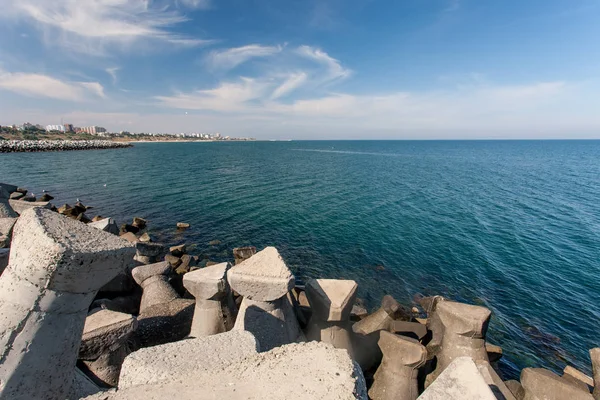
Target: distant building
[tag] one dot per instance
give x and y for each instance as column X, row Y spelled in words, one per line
column 93, row 130
column 69, row 128
column 26, row 126
column 59, row 128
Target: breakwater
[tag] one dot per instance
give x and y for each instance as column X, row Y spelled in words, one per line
column 20, row 146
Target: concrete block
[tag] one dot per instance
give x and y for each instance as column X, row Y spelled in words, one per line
column 104, row 331
column 595, row 357
column 4, row 255
column 165, row 322
column 307, row 371
column 396, row 377
column 20, row 206
column 153, row 280
column 170, row 361
column 460, row 380
column 331, row 301
column 6, row 228
column 107, row 225
column 262, row 277
column 6, row 210
column 214, row 310
column 56, row 267
column 541, row 384
column 243, row 253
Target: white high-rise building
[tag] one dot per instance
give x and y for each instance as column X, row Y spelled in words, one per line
column 59, row 128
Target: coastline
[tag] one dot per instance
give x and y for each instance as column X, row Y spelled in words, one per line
column 29, row 146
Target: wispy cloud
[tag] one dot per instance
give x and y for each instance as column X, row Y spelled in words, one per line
column 92, row 25
column 294, row 81
column 230, row 58
column 44, row 86
column 113, row 73
column 334, row 68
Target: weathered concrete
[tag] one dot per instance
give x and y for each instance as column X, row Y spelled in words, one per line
column 307, row 371
column 153, row 280
column 213, row 312
column 4, row 255
column 413, row 329
column 434, row 324
column 82, row 386
column 262, row 277
column 515, row 388
column 107, row 225
column 579, row 378
column 367, row 332
column 541, row 384
column 170, row 361
column 243, row 253
column 104, row 331
column 331, row 301
column 595, row 357
column 264, row 280
column 6, row 210
column 56, row 267
column 491, row 377
column 460, row 381
column 465, row 327
column 165, row 322
column 20, row 206
column 6, row 228
column 148, row 252
column 396, row 377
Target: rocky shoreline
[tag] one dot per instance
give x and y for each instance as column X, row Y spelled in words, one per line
column 11, row 146
column 92, row 309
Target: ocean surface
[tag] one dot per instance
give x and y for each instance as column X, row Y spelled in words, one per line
column 511, row 225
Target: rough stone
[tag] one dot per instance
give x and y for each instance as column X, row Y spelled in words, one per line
column 177, row 251
column 154, row 282
column 541, row 384
column 214, row 303
column 82, row 386
column 595, row 357
column 130, row 237
column 145, row 237
column 578, row 377
column 105, row 369
column 106, row 225
column 307, row 371
column 6, row 210
column 174, row 261
column 494, row 352
column 396, row 377
column 331, row 301
column 515, row 388
column 139, row 222
column 104, row 331
column 183, row 225
column 263, row 277
column 147, row 252
column 461, row 380
column 20, row 206
column 187, row 357
column 6, row 228
column 243, row 253
column 16, row 195
column 165, row 322
column 464, row 330
column 9, row 188
column 4, row 256
column 56, row 267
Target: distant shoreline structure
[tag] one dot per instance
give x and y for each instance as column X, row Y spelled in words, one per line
column 28, row 146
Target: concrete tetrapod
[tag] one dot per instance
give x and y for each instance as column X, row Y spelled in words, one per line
column 153, row 280
column 396, row 377
column 434, row 324
column 541, row 384
column 595, row 356
column 6, row 211
column 56, row 267
column 331, row 301
column 367, row 331
column 465, row 327
column 104, row 344
column 264, row 280
column 460, row 381
column 213, row 312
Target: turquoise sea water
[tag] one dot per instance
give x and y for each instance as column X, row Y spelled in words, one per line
column 512, row 225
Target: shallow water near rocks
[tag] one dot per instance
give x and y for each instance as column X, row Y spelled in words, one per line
column 511, row 225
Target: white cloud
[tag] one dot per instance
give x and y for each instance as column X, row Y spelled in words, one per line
column 228, row 96
column 194, row 3
column 334, row 68
column 294, row 81
column 113, row 73
column 37, row 85
column 231, row 58
column 91, row 25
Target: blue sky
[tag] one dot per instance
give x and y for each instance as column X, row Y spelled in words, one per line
column 303, row 69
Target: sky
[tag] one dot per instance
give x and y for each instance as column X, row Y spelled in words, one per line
column 305, row 69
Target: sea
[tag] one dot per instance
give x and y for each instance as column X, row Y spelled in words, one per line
column 510, row 225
